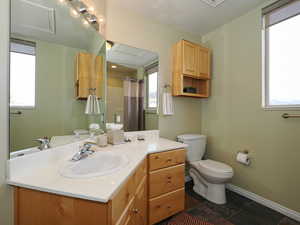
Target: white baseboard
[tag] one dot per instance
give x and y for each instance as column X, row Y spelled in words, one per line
column 268, row 203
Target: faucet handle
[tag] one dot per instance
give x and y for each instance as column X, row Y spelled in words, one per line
column 44, row 143
column 43, row 140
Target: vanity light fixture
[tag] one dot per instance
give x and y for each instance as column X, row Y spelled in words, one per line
column 80, row 8
column 213, row 3
column 114, row 66
column 109, row 45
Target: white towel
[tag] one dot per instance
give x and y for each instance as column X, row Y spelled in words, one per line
column 168, row 108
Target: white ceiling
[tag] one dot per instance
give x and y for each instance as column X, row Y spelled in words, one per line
column 193, row 16
column 130, row 57
column 47, row 20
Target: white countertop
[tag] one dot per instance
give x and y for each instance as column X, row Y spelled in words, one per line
column 40, row 171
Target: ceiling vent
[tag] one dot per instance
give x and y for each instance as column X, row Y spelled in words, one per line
column 213, row 3
column 32, row 17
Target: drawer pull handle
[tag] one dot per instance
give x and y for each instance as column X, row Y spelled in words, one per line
column 169, row 160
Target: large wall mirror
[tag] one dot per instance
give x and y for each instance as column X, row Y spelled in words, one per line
column 56, row 60
column 60, row 66
column 132, row 87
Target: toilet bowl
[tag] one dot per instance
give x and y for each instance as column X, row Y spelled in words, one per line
column 209, row 176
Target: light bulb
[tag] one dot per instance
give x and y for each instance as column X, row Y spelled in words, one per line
column 91, row 9
column 101, row 19
column 74, row 13
column 85, row 23
column 63, row 2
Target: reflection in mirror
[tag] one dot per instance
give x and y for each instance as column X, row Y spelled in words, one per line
column 132, row 88
column 57, row 61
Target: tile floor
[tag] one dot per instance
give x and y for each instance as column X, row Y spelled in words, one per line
column 237, row 211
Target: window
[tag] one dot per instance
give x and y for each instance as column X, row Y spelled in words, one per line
column 282, row 47
column 22, row 74
column 152, row 81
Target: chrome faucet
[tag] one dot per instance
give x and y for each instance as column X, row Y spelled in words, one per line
column 84, row 152
column 44, row 143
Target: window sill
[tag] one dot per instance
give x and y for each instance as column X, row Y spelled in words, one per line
column 281, row 108
column 151, row 111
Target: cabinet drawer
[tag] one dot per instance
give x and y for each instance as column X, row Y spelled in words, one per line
column 126, row 193
column 166, row 159
column 127, row 215
column 166, row 180
column 166, row 205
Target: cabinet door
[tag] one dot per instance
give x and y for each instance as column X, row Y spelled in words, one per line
column 190, row 58
column 99, row 76
column 204, row 63
column 83, row 70
column 89, row 74
column 140, row 204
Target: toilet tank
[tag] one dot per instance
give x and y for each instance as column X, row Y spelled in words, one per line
column 196, row 146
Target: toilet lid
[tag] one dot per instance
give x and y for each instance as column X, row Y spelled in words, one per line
column 215, row 166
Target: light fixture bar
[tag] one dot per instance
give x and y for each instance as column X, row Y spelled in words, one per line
column 82, row 9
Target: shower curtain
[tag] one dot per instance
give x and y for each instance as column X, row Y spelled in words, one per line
column 134, row 116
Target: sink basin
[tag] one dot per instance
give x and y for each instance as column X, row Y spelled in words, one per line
column 98, row 164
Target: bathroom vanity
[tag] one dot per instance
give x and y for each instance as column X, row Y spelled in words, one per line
column 147, row 190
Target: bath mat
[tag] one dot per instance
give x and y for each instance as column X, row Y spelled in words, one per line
column 186, row 219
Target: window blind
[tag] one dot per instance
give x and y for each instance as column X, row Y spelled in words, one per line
column 279, row 11
column 20, row 46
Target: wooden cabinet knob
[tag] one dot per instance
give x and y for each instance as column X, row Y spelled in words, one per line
column 135, row 211
column 169, row 177
column 158, row 206
column 168, row 207
column 169, row 160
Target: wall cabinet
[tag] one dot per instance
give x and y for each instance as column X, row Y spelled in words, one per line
column 191, row 70
column 89, row 73
column 147, row 197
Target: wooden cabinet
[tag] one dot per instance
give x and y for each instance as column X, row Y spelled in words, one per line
column 166, row 205
column 89, row 73
column 165, row 184
column 147, row 197
column 128, row 206
column 190, row 58
column 191, row 69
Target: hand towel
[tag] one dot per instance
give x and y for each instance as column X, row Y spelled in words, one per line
column 168, row 108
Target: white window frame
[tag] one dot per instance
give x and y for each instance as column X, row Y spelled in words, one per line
column 152, row 109
column 29, row 43
column 265, row 75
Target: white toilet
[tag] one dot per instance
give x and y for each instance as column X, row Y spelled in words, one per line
column 209, row 176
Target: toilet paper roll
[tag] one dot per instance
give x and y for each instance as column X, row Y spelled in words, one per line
column 243, row 158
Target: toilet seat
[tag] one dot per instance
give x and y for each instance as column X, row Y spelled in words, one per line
column 213, row 168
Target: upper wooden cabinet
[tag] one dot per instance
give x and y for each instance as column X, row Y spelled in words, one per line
column 190, row 60
column 191, row 69
column 89, row 72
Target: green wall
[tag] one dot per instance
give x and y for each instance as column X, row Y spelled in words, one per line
column 57, row 112
column 234, row 120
